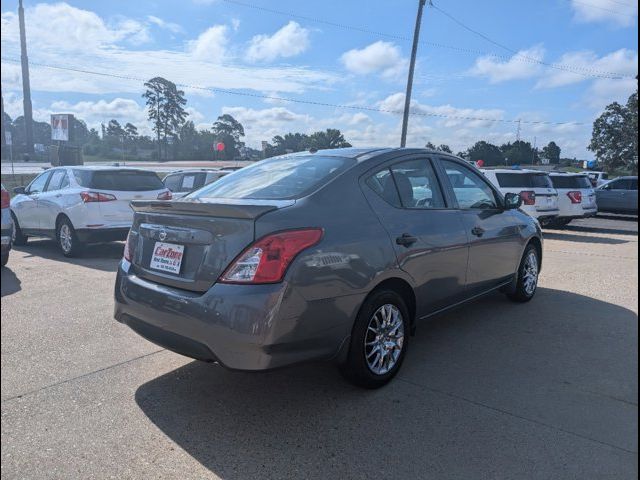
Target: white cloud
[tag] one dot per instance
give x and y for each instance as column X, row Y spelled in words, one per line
column 289, row 41
column 211, row 45
column 170, row 26
column 623, row 13
column 264, row 124
column 379, row 57
column 623, row 62
column 62, row 27
column 520, row 66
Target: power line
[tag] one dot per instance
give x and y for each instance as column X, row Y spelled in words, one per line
column 300, row 101
column 583, row 71
column 604, row 9
column 518, row 55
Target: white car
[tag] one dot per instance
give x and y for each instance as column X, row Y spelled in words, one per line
column 576, row 197
column 539, row 197
column 598, row 178
column 182, row 182
column 78, row 205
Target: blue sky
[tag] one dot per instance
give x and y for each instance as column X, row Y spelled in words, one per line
column 572, row 57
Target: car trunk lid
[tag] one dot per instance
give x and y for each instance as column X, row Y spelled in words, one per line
column 198, row 238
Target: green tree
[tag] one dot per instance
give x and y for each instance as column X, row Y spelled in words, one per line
column 330, row 138
column 615, row 136
column 445, row 148
column 165, row 104
column 229, row 131
column 519, row 153
column 290, row 142
column 490, row 154
column 552, row 153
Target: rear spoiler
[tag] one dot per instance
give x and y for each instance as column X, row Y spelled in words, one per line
column 208, row 209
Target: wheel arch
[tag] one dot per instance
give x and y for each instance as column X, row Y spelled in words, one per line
column 402, row 288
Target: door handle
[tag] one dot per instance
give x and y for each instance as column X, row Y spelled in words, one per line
column 406, row 240
column 478, row 231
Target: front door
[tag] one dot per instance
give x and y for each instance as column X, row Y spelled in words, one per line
column 430, row 241
column 26, row 206
column 494, row 237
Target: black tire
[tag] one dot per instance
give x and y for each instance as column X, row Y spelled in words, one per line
column 67, row 238
column 18, row 238
column 356, row 368
column 5, row 258
column 523, row 292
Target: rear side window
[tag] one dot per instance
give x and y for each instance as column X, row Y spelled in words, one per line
column 287, row 177
column 58, row 181
column 118, row 180
column 570, row 182
column 192, row 181
column 524, row 180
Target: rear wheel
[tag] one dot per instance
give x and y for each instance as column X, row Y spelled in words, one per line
column 379, row 340
column 5, row 258
column 67, row 238
column 17, row 237
column 527, row 282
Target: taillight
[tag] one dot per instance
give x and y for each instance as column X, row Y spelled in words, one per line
column 165, row 195
column 267, row 260
column 6, row 201
column 528, row 198
column 575, row 197
column 128, row 248
column 90, row 197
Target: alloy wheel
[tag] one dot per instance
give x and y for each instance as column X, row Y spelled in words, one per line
column 530, row 273
column 384, row 339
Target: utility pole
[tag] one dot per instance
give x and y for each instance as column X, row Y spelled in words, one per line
column 518, row 133
column 4, row 139
column 26, row 87
column 412, row 66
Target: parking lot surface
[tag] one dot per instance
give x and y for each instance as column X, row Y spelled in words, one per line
column 491, row 390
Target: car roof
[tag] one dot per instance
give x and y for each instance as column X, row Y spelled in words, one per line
column 98, row 168
column 568, row 174
column 363, row 154
column 512, row 170
column 196, row 170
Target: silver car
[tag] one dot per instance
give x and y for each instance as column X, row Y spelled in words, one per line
column 7, row 226
column 619, row 196
column 333, row 254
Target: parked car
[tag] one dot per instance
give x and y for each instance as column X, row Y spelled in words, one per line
column 619, row 196
column 332, row 254
column 598, row 178
column 576, row 197
column 7, row 226
column 79, row 205
column 539, row 197
column 182, row 182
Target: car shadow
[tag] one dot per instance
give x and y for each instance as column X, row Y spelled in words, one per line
column 9, row 282
column 437, row 419
column 603, row 230
column 568, row 237
column 100, row 256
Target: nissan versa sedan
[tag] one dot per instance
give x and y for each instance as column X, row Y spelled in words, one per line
column 331, row 254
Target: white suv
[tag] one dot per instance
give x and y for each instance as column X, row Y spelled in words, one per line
column 539, row 198
column 576, row 197
column 78, row 205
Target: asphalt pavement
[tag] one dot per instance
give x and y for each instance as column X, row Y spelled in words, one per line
column 492, row 390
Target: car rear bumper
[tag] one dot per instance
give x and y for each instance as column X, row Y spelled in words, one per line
column 243, row 327
column 99, row 235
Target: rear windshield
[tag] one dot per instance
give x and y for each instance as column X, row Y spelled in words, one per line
column 119, row 180
column 571, row 181
column 524, row 180
column 277, row 178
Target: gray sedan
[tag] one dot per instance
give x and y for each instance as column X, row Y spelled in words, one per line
column 335, row 254
column 619, row 196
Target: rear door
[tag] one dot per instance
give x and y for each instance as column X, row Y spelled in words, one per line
column 494, row 235
column 429, row 238
column 49, row 203
column 613, row 197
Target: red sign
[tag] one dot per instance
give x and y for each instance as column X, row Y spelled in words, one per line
column 480, row 163
column 220, row 146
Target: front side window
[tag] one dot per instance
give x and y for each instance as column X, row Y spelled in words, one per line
column 621, row 184
column 470, row 190
column 37, row 186
column 173, row 182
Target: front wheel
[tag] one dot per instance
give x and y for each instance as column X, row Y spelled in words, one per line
column 67, row 238
column 379, row 340
column 527, row 281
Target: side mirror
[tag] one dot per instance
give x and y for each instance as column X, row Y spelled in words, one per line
column 19, row 190
column 512, row 201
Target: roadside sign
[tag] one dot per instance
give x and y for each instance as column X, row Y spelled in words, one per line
column 60, row 125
